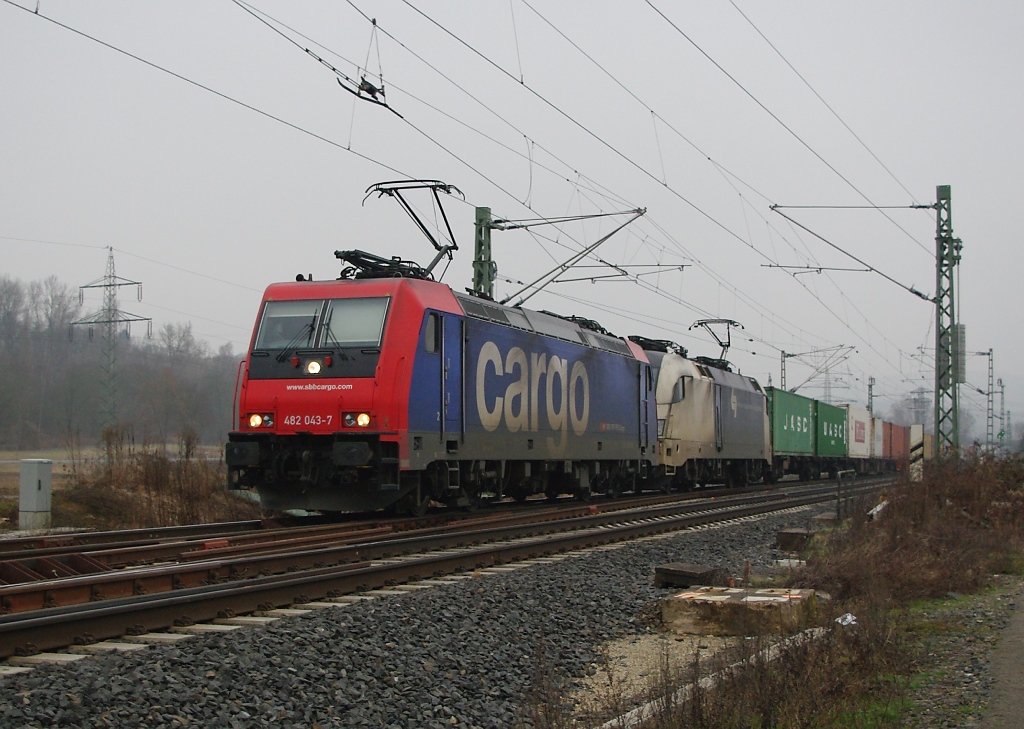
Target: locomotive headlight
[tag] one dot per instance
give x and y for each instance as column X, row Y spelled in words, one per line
column 363, row 419
column 313, row 367
column 255, row 420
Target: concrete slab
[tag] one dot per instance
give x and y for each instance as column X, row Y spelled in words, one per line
column 156, row 638
column 793, row 540
column 246, row 620
column 46, row 659
column 108, row 646
column 738, row 611
column 204, row 628
column 13, row 670
column 414, row 587
column 383, row 592
column 685, row 574
column 320, row 605
column 790, row 564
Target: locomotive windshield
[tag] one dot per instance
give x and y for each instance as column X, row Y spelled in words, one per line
column 354, row 322
column 288, row 325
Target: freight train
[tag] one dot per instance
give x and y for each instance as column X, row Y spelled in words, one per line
column 386, row 389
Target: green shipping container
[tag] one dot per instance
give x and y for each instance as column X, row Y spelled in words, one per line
column 793, row 422
column 831, row 430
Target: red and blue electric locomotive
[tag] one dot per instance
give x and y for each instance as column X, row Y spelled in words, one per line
column 388, row 389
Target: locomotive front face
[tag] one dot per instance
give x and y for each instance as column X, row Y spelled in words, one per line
column 309, row 432
column 312, row 364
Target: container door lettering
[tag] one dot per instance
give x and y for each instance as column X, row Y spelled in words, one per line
column 718, row 416
column 451, row 377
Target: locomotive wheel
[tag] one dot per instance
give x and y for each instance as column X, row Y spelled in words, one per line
column 419, row 508
column 467, row 500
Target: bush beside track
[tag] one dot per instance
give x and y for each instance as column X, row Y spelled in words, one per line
column 132, row 485
column 959, row 532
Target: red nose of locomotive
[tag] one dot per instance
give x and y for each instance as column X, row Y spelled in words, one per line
column 320, row 402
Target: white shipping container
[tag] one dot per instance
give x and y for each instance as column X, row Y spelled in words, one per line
column 877, row 438
column 858, row 428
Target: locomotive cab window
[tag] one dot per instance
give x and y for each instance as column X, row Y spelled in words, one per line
column 354, row 322
column 289, row 324
column 679, row 390
column 431, row 330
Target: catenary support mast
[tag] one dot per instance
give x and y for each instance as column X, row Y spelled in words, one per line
column 947, row 257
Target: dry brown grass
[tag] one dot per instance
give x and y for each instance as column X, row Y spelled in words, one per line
column 134, row 486
column 950, row 533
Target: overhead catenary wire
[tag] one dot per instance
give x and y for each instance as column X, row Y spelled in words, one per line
column 774, row 116
column 846, row 253
column 629, row 91
column 553, row 106
column 324, row 139
column 822, row 100
column 209, row 89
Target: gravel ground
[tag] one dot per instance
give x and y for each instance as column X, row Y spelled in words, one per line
column 461, row 655
column 957, row 642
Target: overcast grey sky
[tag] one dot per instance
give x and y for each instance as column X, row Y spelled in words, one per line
column 695, row 111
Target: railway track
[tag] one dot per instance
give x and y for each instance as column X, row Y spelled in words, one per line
column 264, row 575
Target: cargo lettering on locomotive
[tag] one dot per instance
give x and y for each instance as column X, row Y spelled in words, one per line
column 565, row 394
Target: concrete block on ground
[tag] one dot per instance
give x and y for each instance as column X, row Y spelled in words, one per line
column 738, row 611
column 683, row 574
column 790, row 564
column 793, row 540
column 825, row 518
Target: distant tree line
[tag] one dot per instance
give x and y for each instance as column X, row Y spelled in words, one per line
column 52, row 382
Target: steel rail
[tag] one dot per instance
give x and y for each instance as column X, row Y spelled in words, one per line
column 224, row 565
column 58, row 627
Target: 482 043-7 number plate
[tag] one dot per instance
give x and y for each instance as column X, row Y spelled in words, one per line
column 308, row 419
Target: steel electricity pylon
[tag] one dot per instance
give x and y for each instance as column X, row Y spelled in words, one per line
column 109, row 319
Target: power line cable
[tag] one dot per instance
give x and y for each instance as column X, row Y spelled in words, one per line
column 777, row 119
column 209, row 89
column 822, row 100
column 542, row 98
